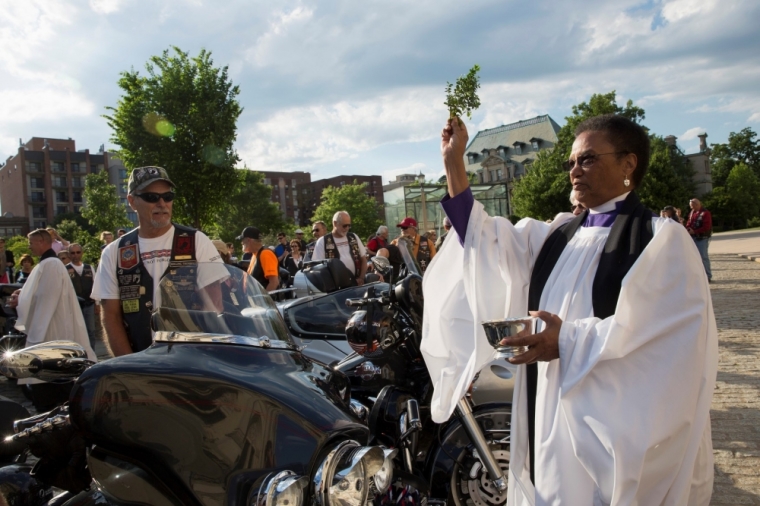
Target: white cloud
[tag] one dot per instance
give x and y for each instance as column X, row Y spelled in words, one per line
column 691, row 133
column 106, row 6
column 678, row 10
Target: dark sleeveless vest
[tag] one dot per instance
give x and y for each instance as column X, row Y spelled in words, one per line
column 331, row 250
column 136, row 285
column 258, row 270
column 423, row 251
column 82, row 284
column 629, row 235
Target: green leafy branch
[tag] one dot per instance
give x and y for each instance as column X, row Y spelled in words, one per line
column 462, row 98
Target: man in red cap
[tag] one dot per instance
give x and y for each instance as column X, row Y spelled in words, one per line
column 423, row 248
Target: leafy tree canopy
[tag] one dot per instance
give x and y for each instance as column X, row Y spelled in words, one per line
column 363, row 209
column 102, row 210
column 742, row 147
column 182, row 116
column 669, row 179
column 249, row 204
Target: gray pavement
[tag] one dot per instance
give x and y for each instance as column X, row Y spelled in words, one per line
column 741, row 242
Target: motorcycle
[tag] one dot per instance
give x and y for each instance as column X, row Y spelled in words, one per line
column 463, row 461
column 223, row 408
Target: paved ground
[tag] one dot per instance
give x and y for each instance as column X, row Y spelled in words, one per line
column 736, row 404
column 740, row 242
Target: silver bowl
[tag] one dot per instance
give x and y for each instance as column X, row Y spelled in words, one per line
column 497, row 330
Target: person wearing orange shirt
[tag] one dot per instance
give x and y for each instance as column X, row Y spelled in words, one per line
column 264, row 267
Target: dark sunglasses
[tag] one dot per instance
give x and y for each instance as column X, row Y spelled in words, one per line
column 314, row 231
column 586, row 161
column 346, row 226
column 153, row 197
column 403, row 228
column 75, row 252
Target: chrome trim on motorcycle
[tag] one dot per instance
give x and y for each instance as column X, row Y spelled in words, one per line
column 285, row 487
column 343, row 477
column 360, row 410
column 481, row 445
column 167, row 336
column 50, row 361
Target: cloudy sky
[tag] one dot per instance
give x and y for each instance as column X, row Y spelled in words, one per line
column 345, row 87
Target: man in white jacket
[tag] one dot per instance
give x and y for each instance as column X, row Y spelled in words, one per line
column 48, row 310
column 612, row 398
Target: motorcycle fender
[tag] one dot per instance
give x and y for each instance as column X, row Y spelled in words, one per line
column 19, row 488
column 439, row 465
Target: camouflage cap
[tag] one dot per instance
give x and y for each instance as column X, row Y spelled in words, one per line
column 143, row 176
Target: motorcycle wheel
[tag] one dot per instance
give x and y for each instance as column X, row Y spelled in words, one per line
column 470, row 484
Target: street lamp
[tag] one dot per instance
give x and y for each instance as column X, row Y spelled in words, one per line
column 421, row 180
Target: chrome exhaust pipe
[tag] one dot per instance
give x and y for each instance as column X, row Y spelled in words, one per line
column 481, row 445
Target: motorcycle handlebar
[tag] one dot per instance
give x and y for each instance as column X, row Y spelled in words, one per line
column 365, row 301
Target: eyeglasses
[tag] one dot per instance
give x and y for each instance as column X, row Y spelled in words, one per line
column 314, row 231
column 586, row 161
column 153, row 197
column 346, row 226
column 404, row 228
column 75, row 252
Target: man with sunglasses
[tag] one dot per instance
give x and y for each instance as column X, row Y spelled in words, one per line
column 345, row 245
column 318, row 229
column 131, row 267
column 82, row 277
column 612, row 393
column 423, row 248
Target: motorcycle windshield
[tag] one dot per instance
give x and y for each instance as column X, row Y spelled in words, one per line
column 406, row 247
column 217, row 302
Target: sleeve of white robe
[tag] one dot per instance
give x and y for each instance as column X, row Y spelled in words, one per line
column 636, row 387
column 484, row 279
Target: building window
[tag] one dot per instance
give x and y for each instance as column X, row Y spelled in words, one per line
column 123, row 174
column 123, row 188
column 38, row 197
column 38, row 212
column 77, row 196
column 39, row 224
column 75, row 167
column 33, row 167
column 78, row 209
column 480, row 177
column 58, row 166
column 61, row 210
column 518, row 149
column 76, row 182
column 707, row 166
column 61, row 197
column 534, row 143
column 60, row 181
column 470, row 159
column 37, row 182
column 267, row 181
column 93, row 169
column 498, row 174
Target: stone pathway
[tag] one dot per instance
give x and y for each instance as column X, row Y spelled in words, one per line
column 736, row 403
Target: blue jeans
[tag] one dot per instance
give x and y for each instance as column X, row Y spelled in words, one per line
column 702, row 245
column 89, row 321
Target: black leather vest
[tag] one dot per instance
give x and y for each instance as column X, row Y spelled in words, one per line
column 331, row 250
column 423, row 252
column 82, row 284
column 629, row 235
column 258, row 270
column 136, row 285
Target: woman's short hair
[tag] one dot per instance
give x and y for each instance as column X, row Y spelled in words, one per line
column 627, row 137
column 104, row 233
column 26, row 257
column 296, row 243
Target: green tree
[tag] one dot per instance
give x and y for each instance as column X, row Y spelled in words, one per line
column 742, row 147
column 545, row 190
column 248, row 204
column 669, row 179
column 738, row 201
column 352, row 198
column 102, row 208
column 182, row 116
column 72, row 232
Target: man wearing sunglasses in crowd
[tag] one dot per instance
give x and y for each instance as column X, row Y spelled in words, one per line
column 343, row 244
column 82, row 277
column 423, row 248
column 318, row 229
column 131, row 267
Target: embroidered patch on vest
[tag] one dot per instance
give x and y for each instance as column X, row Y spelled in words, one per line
column 128, row 257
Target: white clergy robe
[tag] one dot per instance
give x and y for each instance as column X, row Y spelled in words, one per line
column 622, row 417
column 48, row 309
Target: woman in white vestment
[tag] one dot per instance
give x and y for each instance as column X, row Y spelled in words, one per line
column 612, row 398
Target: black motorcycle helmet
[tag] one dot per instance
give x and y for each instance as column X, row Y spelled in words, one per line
column 385, row 333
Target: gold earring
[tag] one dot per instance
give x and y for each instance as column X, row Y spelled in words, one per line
column 626, row 181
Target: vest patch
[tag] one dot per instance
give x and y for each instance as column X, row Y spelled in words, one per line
column 128, row 256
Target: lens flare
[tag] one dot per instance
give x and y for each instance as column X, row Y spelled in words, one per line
column 158, row 125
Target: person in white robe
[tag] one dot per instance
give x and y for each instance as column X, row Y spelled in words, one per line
column 47, row 307
column 620, row 401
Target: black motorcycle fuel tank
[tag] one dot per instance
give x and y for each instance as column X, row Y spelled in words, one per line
column 213, row 418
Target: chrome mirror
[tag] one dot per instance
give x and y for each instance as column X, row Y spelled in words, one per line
column 381, row 264
column 51, row 361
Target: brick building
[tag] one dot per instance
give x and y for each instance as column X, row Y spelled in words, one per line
column 46, row 178
column 298, row 196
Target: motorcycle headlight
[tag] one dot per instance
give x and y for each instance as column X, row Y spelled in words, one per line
column 282, row 489
column 342, row 478
column 384, row 476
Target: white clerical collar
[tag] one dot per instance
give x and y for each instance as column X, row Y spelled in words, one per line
column 609, row 205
